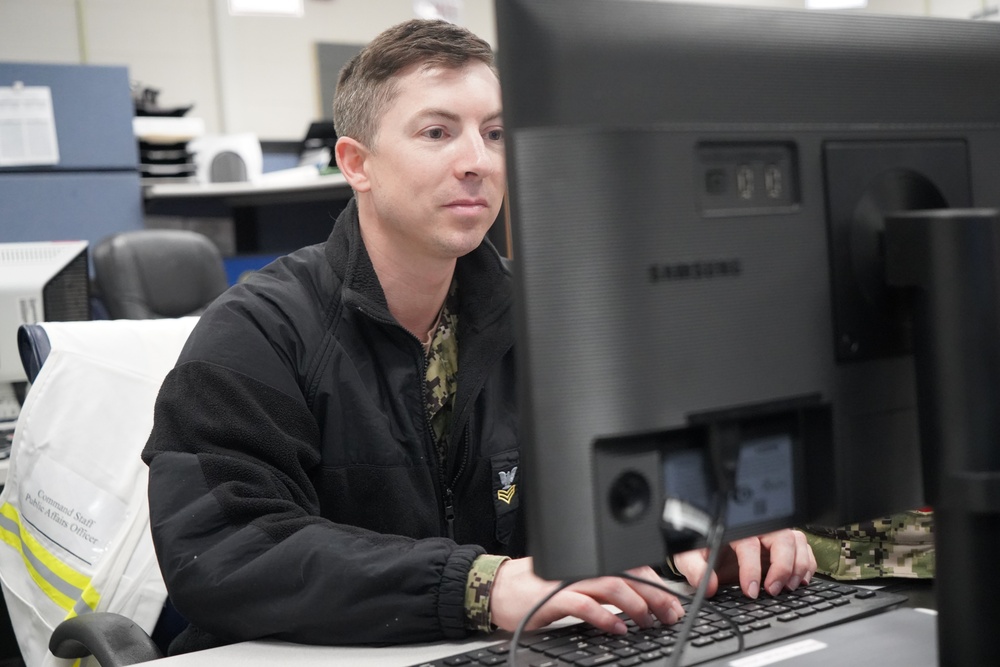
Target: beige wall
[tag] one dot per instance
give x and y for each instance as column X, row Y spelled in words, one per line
column 244, row 74
column 252, row 74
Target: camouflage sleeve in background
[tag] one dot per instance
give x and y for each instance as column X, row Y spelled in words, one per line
column 901, row 545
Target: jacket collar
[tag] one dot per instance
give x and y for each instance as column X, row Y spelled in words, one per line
column 485, row 289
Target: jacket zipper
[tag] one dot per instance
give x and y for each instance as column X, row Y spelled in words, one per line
column 447, row 496
column 449, row 505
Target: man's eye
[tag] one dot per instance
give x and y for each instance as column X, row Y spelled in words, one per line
column 434, row 133
column 495, row 135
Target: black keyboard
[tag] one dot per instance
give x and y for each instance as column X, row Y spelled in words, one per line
column 762, row 621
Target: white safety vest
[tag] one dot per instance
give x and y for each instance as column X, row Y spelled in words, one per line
column 74, row 520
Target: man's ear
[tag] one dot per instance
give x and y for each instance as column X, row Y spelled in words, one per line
column 352, row 156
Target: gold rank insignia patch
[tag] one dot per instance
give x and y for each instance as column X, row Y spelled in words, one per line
column 509, row 488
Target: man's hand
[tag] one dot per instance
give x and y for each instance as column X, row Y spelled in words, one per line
column 516, row 590
column 784, row 556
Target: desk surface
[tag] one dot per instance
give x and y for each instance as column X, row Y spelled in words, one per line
column 249, row 654
column 904, row 637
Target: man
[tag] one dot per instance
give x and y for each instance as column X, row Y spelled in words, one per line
column 322, row 459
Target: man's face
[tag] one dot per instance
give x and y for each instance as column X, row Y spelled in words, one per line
column 437, row 172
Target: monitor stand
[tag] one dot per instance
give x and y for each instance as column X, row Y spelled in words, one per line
column 949, row 260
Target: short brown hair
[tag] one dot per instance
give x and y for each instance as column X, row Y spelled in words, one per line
column 366, row 86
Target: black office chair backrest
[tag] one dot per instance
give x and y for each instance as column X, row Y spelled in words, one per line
column 156, row 273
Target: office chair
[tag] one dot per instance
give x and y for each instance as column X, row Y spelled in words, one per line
column 158, row 273
column 84, row 421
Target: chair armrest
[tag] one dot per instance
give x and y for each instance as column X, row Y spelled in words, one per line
column 111, row 638
column 33, row 346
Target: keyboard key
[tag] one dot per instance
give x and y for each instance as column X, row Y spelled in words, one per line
column 476, row 655
column 601, row 659
column 646, row 647
column 568, row 649
column 600, row 640
column 573, row 656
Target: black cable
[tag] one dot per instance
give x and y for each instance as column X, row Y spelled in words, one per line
column 516, row 639
column 694, row 604
column 724, row 446
column 724, row 442
column 714, row 542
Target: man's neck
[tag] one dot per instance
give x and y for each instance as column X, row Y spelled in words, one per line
column 415, row 289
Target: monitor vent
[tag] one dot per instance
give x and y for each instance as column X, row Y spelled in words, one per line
column 67, row 295
column 17, row 254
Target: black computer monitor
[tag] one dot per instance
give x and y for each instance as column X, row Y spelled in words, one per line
column 697, row 201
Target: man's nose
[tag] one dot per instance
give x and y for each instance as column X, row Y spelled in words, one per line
column 474, row 157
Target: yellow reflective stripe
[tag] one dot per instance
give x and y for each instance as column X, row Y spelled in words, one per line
column 60, row 582
column 71, row 576
column 51, row 591
column 88, row 601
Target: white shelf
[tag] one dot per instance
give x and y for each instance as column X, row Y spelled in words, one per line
column 265, row 186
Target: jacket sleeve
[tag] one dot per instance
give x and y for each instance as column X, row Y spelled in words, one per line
column 238, row 533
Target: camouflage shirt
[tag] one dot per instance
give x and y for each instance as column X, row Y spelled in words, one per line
column 442, row 374
column 901, row 545
column 439, row 395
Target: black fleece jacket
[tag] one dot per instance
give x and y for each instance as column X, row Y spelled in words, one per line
column 294, row 489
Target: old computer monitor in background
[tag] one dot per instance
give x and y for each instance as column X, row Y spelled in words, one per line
column 697, row 202
column 39, row 282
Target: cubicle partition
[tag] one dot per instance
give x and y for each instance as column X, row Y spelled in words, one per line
column 92, row 190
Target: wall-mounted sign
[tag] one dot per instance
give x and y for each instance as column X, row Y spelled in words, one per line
column 27, row 126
